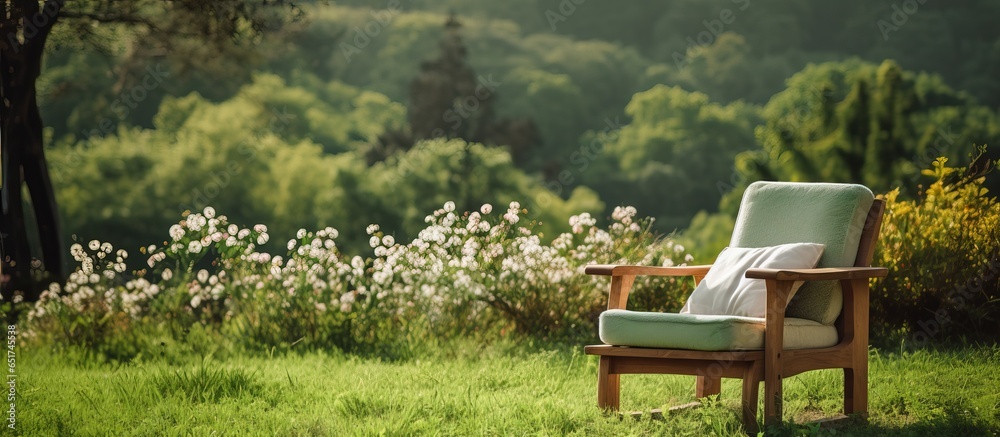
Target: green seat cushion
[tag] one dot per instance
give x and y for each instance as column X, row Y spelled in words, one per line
column 705, row 332
column 774, row 213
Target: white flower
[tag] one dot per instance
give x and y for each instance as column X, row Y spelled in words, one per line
column 176, row 232
column 195, row 301
column 678, row 248
column 688, row 258
column 195, row 222
column 106, row 247
column 373, row 241
column 202, row 275
column 449, row 206
column 167, row 274
column 194, row 247
column 291, row 245
column 94, row 245
column 618, row 213
column 388, row 241
column 262, row 238
column 300, row 234
column 243, row 233
column 209, row 212
column 259, row 228
column 233, row 229
column 371, row 229
column 515, row 205
column 486, row 209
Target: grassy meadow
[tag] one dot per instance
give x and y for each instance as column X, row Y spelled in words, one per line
column 468, row 389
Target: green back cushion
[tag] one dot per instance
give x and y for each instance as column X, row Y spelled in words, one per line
column 774, row 213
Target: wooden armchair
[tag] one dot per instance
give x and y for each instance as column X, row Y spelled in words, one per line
column 835, row 297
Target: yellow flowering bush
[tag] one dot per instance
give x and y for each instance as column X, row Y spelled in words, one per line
column 943, row 255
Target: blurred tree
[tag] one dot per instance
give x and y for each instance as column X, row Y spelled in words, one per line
column 193, row 30
column 675, row 152
column 413, row 183
column 448, row 100
column 876, row 125
column 261, row 156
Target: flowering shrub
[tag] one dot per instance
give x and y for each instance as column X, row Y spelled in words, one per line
column 943, row 255
column 479, row 273
column 485, row 270
column 96, row 308
column 310, row 297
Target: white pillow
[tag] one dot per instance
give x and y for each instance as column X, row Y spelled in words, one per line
column 726, row 291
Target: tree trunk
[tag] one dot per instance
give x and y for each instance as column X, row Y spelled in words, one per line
column 24, row 29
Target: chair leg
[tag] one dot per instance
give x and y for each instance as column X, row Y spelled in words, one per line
column 772, row 395
column 856, row 392
column 608, row 386
column 708, row 386
column 751, row 388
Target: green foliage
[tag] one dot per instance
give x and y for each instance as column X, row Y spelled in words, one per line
column 730, row 69
column 436, row 171
column 862, row 123
column 943, row 255
column 676, row 153
column 708, row 234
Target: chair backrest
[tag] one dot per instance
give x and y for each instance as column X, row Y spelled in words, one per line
column 775, row 213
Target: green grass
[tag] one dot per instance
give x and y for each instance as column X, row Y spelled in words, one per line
column 468, row 390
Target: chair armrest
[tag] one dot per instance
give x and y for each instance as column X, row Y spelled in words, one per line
column 622, row 277
column 621, row 270
column 818, row 274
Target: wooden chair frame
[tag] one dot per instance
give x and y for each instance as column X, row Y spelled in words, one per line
column 769, row 365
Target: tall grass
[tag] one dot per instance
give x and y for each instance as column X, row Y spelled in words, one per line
column 468, row 389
